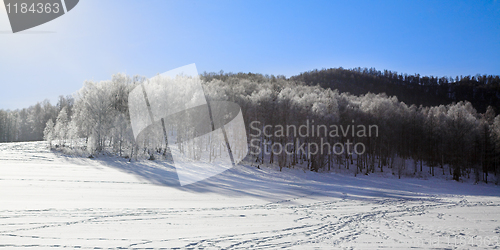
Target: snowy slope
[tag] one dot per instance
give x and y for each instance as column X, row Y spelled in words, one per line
column 53, row 201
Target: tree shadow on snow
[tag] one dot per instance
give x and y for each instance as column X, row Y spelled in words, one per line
column 273, row 185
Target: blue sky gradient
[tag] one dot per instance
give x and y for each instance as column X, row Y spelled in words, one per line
column 100, row 38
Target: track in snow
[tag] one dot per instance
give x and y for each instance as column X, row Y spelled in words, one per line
column 52, row 201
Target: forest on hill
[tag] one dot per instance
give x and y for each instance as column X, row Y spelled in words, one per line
column 427, row 130
column 480, row 90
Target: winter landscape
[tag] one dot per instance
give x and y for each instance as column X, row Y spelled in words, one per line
column 50, row 200
column 361, row 172
column 249, row 124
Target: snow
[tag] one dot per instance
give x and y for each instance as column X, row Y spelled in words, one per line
column 50, row 200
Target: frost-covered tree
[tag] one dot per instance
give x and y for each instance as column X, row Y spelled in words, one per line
column 62, row 126
column 122, row 132
column 73, row 132
column 94, row 112
column 48, row 132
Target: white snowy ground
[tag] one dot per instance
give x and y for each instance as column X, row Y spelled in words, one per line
column 53, row 201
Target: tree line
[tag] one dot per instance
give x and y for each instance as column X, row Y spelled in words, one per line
column 453, row 135
column 29, row 123
column 480, row 90
column 452, row 139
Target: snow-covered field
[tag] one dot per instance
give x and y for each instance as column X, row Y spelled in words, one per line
column 53, row 201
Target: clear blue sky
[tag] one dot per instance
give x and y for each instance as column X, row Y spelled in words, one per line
column 99, row 38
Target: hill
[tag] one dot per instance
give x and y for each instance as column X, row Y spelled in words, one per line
column 480, row 90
